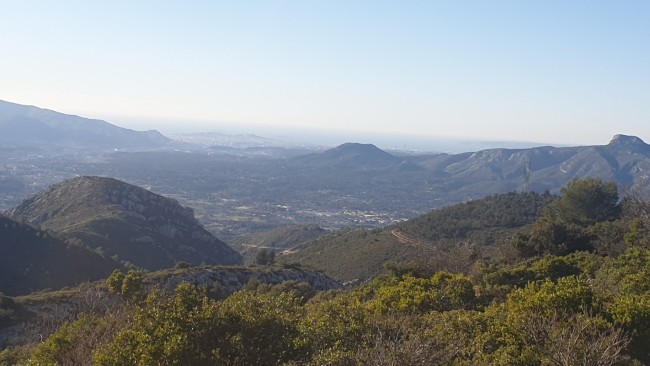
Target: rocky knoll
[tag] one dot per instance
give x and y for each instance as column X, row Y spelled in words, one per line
column 124, row 221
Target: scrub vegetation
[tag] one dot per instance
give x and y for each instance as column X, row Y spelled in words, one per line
column 573, row 290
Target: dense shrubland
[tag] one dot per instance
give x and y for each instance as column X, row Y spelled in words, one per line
column 574, row 290
column 459, row 222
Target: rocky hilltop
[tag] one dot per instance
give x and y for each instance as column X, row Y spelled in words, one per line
column 126, row 221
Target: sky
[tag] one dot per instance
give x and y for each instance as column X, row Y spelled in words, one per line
column 549, row 71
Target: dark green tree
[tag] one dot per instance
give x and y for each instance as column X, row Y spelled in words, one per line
column 114, row 281
column 549, row 236
column 587, row 201
column 130, row 286
column 265, row 257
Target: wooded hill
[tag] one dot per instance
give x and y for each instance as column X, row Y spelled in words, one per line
column 125, row 222
column 476, row 227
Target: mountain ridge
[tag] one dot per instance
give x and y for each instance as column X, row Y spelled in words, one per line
column 27, row 125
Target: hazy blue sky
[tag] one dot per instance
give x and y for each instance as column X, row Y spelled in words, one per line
column 562, row 71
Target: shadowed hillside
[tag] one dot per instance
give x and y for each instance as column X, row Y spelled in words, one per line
column 33, row 260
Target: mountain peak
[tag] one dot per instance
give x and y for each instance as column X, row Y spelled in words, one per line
column 360, row 152
column 626, row 140
column 628, row 144
column 356, row 146
column 352, row 155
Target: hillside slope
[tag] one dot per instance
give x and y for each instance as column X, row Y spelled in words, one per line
column 279, row 239
column 33, row 260
column 483, row 225
column 475, row 220
column 119, row 219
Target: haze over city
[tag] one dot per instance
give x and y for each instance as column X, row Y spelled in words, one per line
column 557, row 72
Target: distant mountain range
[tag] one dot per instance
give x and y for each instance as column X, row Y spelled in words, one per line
column 625, row 160
column 91, row 225
column 361, row 185
column 246, row 188
column 22, row 125
column 124, row 222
